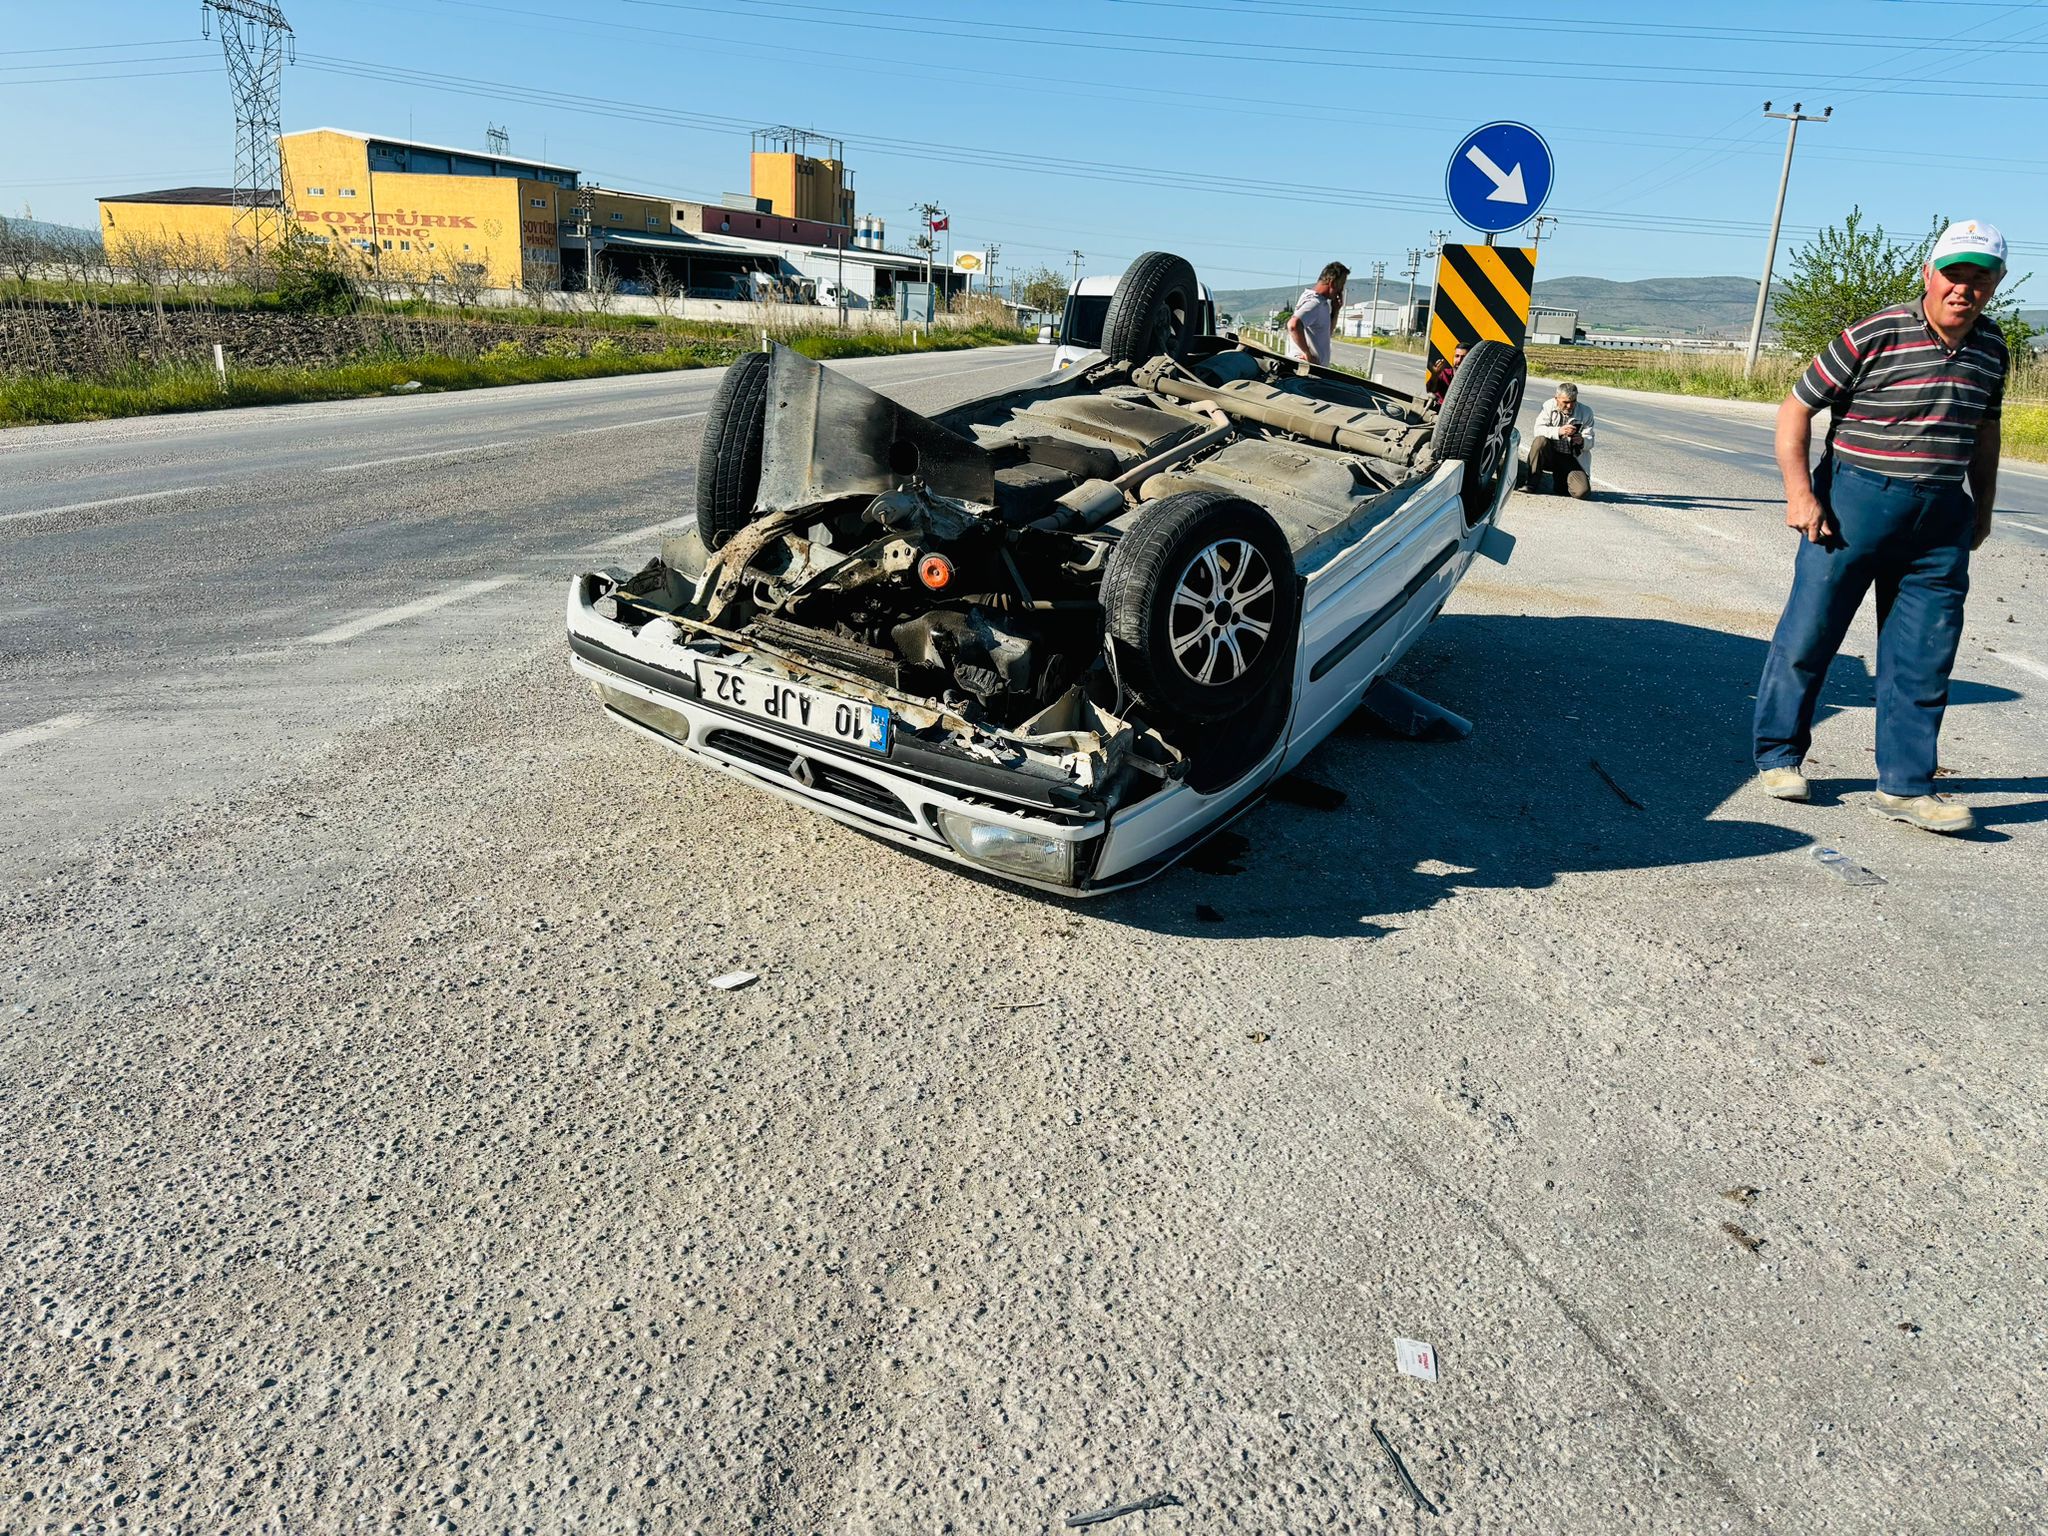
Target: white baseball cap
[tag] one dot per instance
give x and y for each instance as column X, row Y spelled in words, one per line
column 1970, row 240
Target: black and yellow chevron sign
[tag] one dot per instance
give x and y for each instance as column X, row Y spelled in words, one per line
column 1482, row 294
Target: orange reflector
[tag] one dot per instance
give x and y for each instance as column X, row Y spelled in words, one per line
column 936, row 572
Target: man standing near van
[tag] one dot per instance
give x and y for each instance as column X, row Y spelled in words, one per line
column 1315, row 316
column 1901, row 497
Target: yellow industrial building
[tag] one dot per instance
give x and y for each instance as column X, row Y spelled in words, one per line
column 403, row 205
column 409, row 209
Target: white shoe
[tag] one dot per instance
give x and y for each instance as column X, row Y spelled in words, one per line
column 1783, row 784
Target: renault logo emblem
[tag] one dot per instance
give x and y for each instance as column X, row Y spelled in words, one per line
column 800, row 770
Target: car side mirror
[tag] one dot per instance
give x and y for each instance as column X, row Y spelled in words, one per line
column 1045, row 335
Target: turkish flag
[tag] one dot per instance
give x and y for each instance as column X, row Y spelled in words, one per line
column 943, row 221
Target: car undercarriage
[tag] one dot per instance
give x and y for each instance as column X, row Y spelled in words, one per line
column 1075, row 595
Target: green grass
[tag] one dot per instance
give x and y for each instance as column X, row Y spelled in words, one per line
column 140, row 391
column 2026, row 433
column 1718, row 376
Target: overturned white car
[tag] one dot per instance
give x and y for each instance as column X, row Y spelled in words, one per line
column 1061, row 633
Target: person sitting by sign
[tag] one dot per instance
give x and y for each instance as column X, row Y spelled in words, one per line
column 1438, row 380
column 1561, row 445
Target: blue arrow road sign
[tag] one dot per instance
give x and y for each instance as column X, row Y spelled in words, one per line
column 1499, row 177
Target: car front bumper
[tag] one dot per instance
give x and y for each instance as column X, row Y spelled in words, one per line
column 980, row 816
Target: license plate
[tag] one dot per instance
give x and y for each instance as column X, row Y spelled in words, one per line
column 795, row 707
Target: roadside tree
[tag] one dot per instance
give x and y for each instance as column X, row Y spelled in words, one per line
column 1849, row 271
column 459, row 281
column 1042, row 288
column 22, row 249
column 601, row 289
column 665, row 287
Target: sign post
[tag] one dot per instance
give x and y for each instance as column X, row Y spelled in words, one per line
column 1499, row 177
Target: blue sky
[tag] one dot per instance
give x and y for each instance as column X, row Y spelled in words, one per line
column 1258, row 137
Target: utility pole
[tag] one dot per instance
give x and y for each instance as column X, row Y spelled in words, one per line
column 255, row 40
column 1536, row 235
column 1437, row 237
column 1408, row 314
column 1372, row 324
column 995, row 253
column 585, row 199
column 929, row 241
column 1792, row 120
column 1078, row 258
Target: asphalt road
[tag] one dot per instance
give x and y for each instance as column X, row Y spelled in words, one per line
column 376, row 1153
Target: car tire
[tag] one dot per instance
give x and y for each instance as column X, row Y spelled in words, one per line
column 1477, row 422
column 1157, row 308
column 1200, row 605
column 729, row 463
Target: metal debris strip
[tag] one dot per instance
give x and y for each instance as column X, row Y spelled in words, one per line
column 732, row 981
column 1118, row 1511
column 1401, row 1471
column 1608, row 779
column 1845, row 869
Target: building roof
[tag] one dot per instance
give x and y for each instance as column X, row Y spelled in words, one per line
column 442, row 149
column 212, row 197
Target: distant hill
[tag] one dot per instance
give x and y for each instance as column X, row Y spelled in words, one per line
column 43, row 230
column 1250, row 303
column 1657, row 306
column 1660, row 306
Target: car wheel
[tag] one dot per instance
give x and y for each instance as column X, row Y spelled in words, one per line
column 1477, row 422
column 729, row 463
column 1156, row 309
column 1200, row 601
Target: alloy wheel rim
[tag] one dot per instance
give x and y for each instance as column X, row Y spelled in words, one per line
column 1493, row 457
column 1222, row 612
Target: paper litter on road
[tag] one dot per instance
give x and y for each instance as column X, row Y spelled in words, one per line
column 733, row 980
column 1414, row 1358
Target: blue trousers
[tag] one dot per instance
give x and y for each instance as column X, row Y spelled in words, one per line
column 1911, row 540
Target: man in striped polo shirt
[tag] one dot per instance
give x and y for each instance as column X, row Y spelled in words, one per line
column 1898, row 501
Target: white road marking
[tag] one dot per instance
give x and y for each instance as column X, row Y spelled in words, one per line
column 105, row 501
column 47, row 730
column 645, row 421
column 954, row 373
column 2021, row 522
column 1694, row 442
column 638, row 535
column 1717, row 533
column 1609, row 485
column 409, row 458
column 404, row 611
column 2011, row 658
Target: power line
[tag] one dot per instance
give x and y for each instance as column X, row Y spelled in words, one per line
column 1683, row 31
column 694, row 42
column 1234, row 50
column 980, row 158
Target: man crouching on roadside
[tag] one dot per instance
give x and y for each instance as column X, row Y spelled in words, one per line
column 1561, row 445
column 1914, row 394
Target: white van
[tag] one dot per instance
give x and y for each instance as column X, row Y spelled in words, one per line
column 1080, row 330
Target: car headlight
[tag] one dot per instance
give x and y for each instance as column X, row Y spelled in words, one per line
column 1012, row 850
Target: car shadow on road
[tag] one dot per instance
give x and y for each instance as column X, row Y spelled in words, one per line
column 1600, row 745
